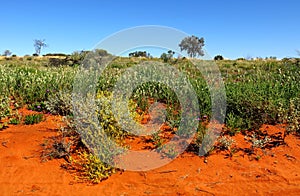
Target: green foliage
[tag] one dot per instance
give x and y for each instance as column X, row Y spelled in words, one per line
column 167, row 57
column 293, row 115
column 14, row 121
column 257, row 92
column 234, row 124
column 33, row 119
column 37, row 106
column 59, row 103
column 4, row 106
column 31, row 84
column 157, row 140
column 193, row 46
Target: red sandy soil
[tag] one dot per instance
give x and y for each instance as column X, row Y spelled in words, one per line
column 276, row 172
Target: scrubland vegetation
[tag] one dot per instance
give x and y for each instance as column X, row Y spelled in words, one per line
column 257, row 91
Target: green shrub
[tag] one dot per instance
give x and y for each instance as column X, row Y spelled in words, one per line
column 225, row 142
column 293, row 116
column 60, row 103
column 33, row 119
column 14, row 121
column 37, row 106
column 4, row 106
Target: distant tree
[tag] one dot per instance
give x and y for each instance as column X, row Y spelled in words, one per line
column 139, row 54
column 193, row 46
column 167, row 56
column 219, row 58
column 298, row 52
column 7, row 53
column 38, row 45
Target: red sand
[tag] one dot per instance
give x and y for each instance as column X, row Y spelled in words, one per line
column 277, row 172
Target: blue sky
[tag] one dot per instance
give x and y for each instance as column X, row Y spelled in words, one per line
column 256, row 28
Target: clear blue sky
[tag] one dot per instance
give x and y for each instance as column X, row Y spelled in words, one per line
column 233, row 29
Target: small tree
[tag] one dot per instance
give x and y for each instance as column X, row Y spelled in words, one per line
column 167, row 57
column 7, row 53
column 38, row 45
column 218, row 58
column 193, row 46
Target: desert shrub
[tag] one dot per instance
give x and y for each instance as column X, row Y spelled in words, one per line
column 37, row 106
column 14, row 121
column 60, row 103
column 91, row 168
column 234, row 124
column 33, row 119
column 77, row 57
column 225, row 142
column 4, row 106
column 58, row 149
column 293, row 115
column 56, row 62
column 258, row 141
column 167, row 57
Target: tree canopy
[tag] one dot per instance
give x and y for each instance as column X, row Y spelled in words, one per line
column 192, row 45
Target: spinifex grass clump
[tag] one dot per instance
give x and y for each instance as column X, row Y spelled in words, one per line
column 33, row 119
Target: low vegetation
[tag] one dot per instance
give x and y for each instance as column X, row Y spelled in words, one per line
column 258, row 92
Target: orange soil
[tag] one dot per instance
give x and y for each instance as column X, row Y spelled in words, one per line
column 23, row 173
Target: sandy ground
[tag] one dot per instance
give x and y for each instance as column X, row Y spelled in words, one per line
column 276, row 172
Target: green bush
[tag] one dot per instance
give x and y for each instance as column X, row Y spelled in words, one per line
column 293, row 115
column 4, row 106
column 14, row 121
column 60, row 103
column 33, row 119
